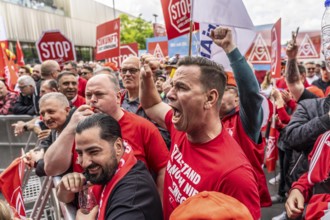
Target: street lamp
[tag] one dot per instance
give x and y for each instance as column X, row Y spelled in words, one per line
column 114, row 9
column 155, row 15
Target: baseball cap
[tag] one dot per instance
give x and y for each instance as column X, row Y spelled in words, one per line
column 231, row 79
column 211, row 206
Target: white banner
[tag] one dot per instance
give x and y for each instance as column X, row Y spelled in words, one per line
column 229, row 13
column 3, row 34
column 223, row 12
column 242, row 37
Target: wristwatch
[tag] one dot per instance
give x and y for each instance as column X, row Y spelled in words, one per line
column 25, row 127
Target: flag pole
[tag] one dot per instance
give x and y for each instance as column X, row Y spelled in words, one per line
column 191, row 27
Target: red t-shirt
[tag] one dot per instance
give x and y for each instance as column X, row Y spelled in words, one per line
column 81, row 86
column 145, row 140
column 79, row 101
column 218, row 165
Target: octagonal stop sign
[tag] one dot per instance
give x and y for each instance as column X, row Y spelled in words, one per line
column 53, row 45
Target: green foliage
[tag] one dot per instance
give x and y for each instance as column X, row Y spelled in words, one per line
column 135, row 30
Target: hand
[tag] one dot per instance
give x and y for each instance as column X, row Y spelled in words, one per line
column 222, row 37
column 285, row 95
column 92, row 215
column 81, row 113
column 275, row 94
column 43, row 134
column 18, row 127
column 27, row 159
column 292, row 48
column 294, row 205
column 145, row 71
column 72, row 182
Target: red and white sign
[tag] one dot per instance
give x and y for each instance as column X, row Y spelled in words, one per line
column 276, row 49
column 158, row 49
column 53, row 45
column 159, row 30
column 108, row 40
column 126, row 50
column 309, row 45
column 259, row 52
column 177, row 17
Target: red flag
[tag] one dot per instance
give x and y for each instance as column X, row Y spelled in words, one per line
column 19, row 54
column 276, row 49
column 271, row 150
column 10, row 74
column 2, row 63
column 10, row 186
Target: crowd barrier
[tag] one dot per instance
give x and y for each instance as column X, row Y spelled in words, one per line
column 10, row 145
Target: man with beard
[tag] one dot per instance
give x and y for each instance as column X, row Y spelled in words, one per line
column 68, row 85
column 103, row 95
column 128, row 191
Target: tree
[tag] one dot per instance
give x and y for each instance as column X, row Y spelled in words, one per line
column 135, row 30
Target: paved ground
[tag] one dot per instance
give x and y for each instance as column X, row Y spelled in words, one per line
column 276, row 209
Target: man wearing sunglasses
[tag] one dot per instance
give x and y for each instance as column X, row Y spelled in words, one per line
column 310, row 75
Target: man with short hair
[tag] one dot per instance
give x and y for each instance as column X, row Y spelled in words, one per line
column 55, row 112
column 7, row 99
column 324, row 81
column 86, row 72
column 36, row 72
column 103, row 95
column 27, row 102
column 310, row 76
column 130, row 73
column 128, row 191
column 68, row 85
column 203, row 156
column 47, row 86
column 71, row 66
column 50, row 69
column 24, row 70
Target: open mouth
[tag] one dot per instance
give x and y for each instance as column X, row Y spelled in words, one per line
column 176, row 115
column 94, row 169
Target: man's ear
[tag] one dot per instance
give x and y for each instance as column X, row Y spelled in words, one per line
column 212, row 97
column 119, row 148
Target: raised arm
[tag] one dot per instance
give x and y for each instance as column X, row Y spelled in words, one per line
column 248, row 88
column 292, row 75
column 150, row 99
column 58, row 157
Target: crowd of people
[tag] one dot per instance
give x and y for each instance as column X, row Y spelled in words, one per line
column 147, row 142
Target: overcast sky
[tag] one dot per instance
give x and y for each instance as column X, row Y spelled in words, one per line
column 304, row 13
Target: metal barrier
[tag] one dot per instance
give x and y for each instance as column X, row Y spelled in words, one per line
column 35, row 191
column 10, row 145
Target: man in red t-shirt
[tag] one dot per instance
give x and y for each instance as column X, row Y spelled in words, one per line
column 103, row 95
column 203, row 155
column 72, row 67
column 68, row 85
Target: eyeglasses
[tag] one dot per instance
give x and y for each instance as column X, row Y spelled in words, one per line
column 36, row 71
column 131, row 70
column 311, row 68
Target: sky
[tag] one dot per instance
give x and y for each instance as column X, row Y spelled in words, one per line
column 306, row 14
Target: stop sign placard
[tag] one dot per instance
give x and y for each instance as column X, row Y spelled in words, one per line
column 53, row 45
column 177, row 17
column 126, row 50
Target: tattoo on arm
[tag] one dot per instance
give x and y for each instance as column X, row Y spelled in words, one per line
column 292, row 71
